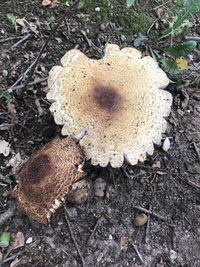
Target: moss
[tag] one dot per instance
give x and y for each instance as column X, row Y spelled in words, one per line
column 132, row 20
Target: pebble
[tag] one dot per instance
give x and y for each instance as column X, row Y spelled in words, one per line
column 29, row 240
column 97, row 9
column 99, row 187
column 140, row 219
column 166, row 144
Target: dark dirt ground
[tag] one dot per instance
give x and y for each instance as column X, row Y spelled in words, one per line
column 103, row 226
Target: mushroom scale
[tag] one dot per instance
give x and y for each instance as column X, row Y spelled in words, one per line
column 46, row 178
column 114, row 106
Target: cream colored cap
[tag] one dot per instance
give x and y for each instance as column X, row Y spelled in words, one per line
column 115, row 105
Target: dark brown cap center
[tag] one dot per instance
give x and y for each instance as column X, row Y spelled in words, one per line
column 107, row 98
column 38, row 169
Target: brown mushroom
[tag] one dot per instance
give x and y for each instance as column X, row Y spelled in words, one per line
column 47, row 177
column 114, row 106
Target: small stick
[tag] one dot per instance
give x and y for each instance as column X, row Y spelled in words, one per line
column 86, row 38
column 193, row 38
column 33, row 65
column 73, row 238
column 95, row 228
column 21, row 41
column 166, row 3
column 137, row 252
column 152, row 213
column 196, row 150
column 152, row 26
column 29, row 84
column 146, row 238
column 7, row 214
column 9, row 39
column 10, row 258
column 197, row 186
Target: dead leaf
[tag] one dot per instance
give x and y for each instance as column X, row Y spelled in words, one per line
column 55, row 3
column 11, row 109
column 99, row 187
column 46, row 2
column 19, row 240
column 4, row 148
column 16, row 163
column 15, row 263
column 5, row 126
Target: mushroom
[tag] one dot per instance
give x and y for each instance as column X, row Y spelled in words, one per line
column 46, row 179
column 114, row 106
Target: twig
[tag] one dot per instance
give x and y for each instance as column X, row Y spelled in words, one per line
column 146, row 238
column 196, row 150
column 192, row 38
column 193, row 184
column 94, row 229
column 138, row 253
column 33, row 65
column 152, row 214
column 21, row 41
column 7, row 214
column 86, row 38
column 29, row 84
column 151, row 26
column 166, row 3
column 73, row 238
column 4, row 40
column 10, row 258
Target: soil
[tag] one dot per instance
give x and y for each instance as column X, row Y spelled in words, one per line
column 167, row 183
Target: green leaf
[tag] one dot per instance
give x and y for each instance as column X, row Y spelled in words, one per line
column 11, row 17
column 139, row 40
column 7, row 96
column 130, row 3
column 4, row 239
column 193, row 168
column 181, row 50
column 190, row 7
column 169, row 66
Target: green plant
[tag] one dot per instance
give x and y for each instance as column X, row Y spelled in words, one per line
column 180, row 22
column 4, row 239
column 7, row 96
column 174, row 61
column 11, row 17
column 130, row 3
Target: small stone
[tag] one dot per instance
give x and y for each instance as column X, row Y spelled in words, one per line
column 166, row 144
column 99, row 187
column 97, row 9
column 5, row 73
column 29, row 240
column 140, row 219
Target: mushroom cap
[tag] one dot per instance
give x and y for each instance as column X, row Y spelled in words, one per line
column 114, row 105
column 47, row 177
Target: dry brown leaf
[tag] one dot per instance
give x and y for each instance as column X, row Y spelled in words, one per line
column 55, row 3
column 46, row 2
column 18, row 240
column 5, row 126
column 11, row 109
column 16, row 163
column 15, row 263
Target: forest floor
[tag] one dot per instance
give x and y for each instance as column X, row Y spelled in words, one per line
column 166, row 184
